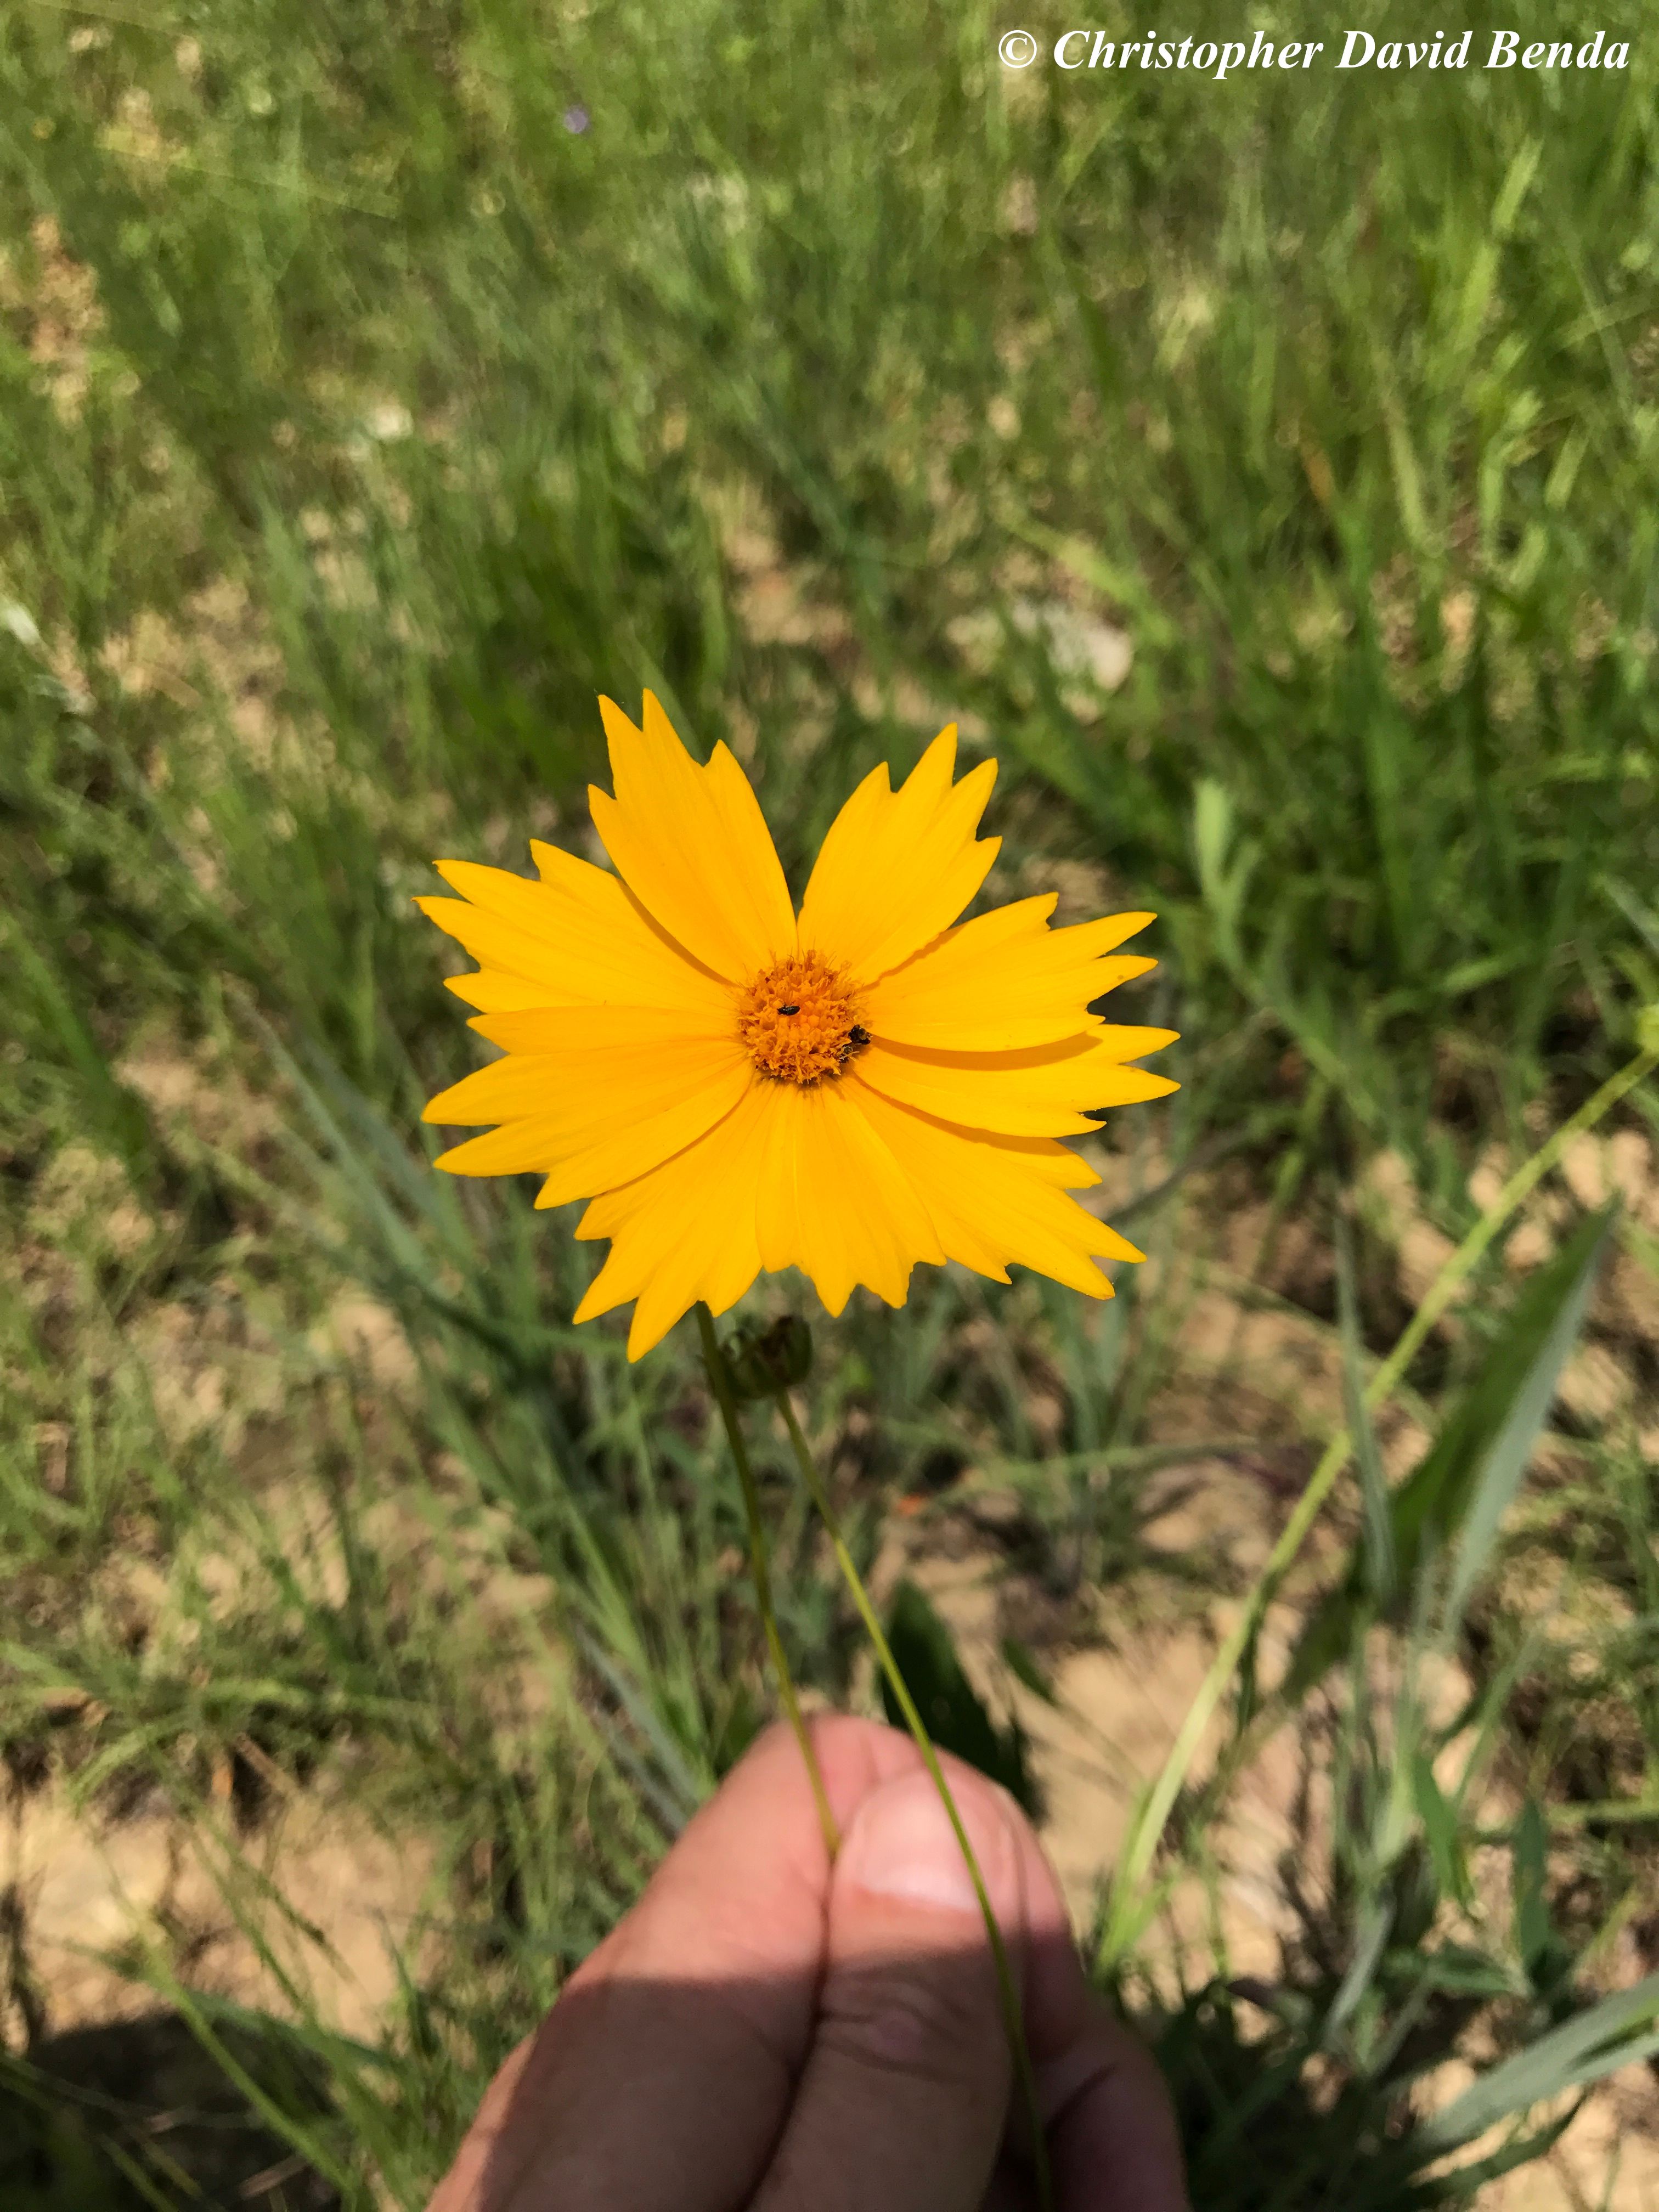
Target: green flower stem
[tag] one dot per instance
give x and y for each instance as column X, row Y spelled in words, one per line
column 720, row 1382
column 1012, row 2014
column 1125, row 1916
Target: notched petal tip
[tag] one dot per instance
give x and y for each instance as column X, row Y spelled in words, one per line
column 896, row 867
column 618, row 723
column 1123, row 927
column 691, row 843
column 440, row 868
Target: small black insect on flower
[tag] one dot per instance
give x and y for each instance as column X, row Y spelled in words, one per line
column 857, row 1038
column 789, row 1009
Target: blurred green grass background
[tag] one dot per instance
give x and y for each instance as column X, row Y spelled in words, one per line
column 1264, row 471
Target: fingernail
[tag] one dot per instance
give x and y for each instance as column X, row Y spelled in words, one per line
column 902, row 1845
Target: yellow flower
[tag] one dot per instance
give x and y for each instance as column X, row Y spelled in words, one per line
column 736, row 1087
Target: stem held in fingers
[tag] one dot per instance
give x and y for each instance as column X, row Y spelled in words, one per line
column 719, row 1381
column 1009, row 1996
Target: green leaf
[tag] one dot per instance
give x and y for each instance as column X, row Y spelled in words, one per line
column 1521, row 2152
column 954, row 1713
column 1478, row 1456
column 1370, row 1942
column 1532, row 1916
column 1224, row 866
column 1510, row 1453
column 1459, row 1968
column 1582, row 2050
column 1440, row 1826
column 1546, row 1959
column 1380, row 1563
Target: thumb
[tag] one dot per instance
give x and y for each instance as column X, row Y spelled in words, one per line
column 902, row 2104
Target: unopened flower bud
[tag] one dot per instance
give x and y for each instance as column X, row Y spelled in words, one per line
column 764, row 1362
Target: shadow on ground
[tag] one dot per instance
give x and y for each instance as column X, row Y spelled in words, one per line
column 134, row 2115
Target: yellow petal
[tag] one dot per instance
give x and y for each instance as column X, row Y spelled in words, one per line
column 1004, row 981
column 693, row 846
column 491, row 989
column 685, row 1231
column 831, row 1200
column 998, row 1199
column 577, row 935
column 1039, row 1092
column 598, row 1064
column 897, row 867
column 589, row 1028
column 591, row 1120
column 628, row 1150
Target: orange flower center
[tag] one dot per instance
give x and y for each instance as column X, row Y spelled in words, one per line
column 799, row 1020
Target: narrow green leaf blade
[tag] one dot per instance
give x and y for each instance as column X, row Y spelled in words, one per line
column 1580, row 2050
column 1432, row 1506
column 1381, row 1561
column 1510, row 1455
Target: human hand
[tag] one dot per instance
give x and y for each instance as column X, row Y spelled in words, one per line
column 767, row 2032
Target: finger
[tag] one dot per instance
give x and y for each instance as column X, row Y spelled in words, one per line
column 1113, row 2143
column 663, row 2074
column 902, row 2103
column 463, row 2186
column 1109, row 2126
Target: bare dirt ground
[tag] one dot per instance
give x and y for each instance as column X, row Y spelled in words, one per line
column 92, row 1890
